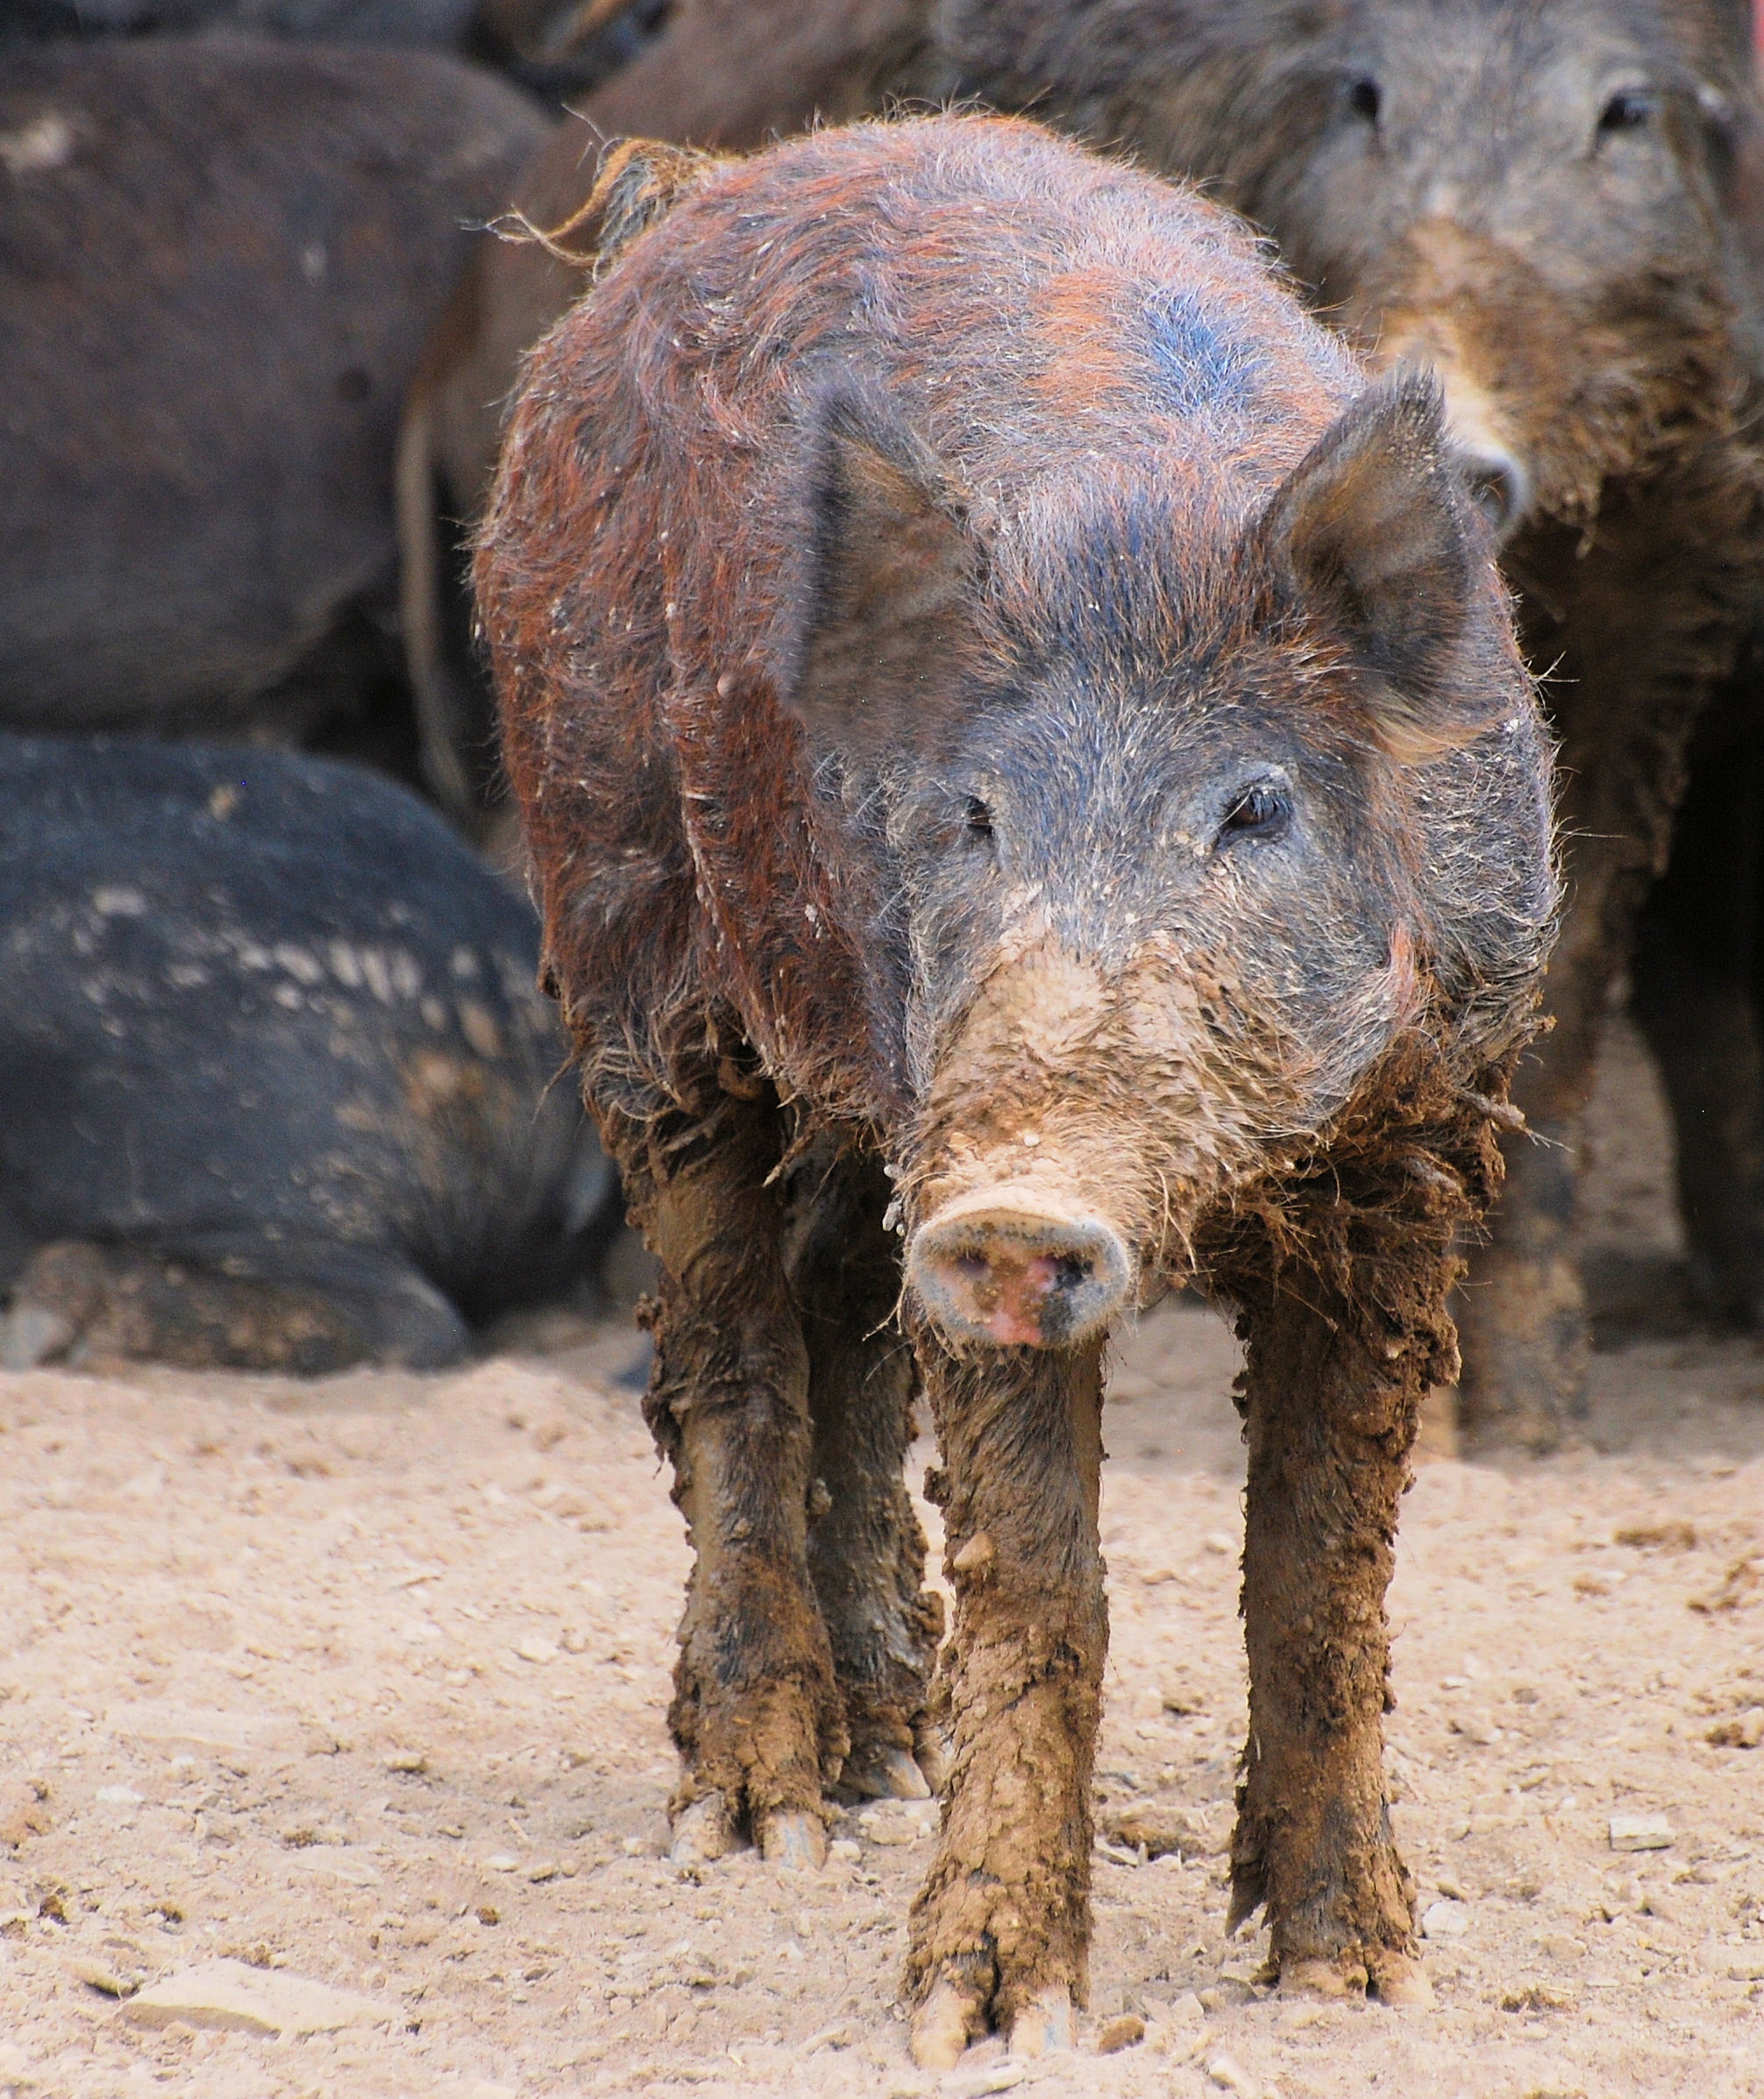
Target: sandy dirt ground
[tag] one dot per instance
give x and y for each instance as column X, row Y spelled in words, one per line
column 363, row 1682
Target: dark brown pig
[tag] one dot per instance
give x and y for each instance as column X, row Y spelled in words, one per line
column 1024, row 750
column 1536, row 198
column 217, row 264
column 725, row 74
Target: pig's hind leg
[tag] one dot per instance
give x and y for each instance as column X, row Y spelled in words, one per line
column 757, row 1716
column 866, row 1551
column 1000, row 1931
column 1330, row 1415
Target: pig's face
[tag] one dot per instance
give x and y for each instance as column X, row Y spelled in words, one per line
column 1141, row 782
column 1528, row 195
column 1528, row 199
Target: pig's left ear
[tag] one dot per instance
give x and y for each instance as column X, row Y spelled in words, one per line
column 1370, row 534
column 889, row 564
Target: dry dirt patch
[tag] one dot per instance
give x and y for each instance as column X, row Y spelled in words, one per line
column 361, row 1684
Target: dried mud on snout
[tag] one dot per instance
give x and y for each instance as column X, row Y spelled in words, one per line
column 364, row 1682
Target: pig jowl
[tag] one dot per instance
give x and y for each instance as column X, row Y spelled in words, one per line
column 1035, row 794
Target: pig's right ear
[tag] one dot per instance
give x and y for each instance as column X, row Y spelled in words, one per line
column 880, row 616
column 1370, row 534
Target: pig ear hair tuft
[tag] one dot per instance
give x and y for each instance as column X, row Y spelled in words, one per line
column 637, row 183
column 890, row 561
column 1371, row 532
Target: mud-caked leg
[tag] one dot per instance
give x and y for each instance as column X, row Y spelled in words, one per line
column 1330, row 1419
column 756, row 1714
column 1000, row 1930
column 866, row 1551
column 1627, row 689
column 1523, row 1314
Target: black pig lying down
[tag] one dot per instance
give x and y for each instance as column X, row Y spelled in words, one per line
column 276, row 1081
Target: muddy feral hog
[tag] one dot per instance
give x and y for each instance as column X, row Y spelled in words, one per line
column 723, row 74
column 1034, row 791
column 217, row 263
column 277, row 1083
column 1536, row 198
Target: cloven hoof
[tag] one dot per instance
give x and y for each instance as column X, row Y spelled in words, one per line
column 1044, row 2025
column 704, row 1832
column 793, row 1840
column 943, row 2024
column 1399, row 1979
column 887, row 1774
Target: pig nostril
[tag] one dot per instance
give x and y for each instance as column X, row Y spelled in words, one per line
column 1070, row 1272
column 973, row 1267
column 1498, row 486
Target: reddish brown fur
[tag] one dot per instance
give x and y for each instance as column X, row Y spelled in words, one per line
column 750, row 1038
column 724, row 73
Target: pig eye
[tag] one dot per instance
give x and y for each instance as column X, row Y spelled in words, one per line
column 1628, row 111
column 979, row 817
column 1365, row 99
column 1262, row 810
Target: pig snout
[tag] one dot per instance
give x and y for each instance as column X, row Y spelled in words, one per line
column 1496, row 483
column 1485, row 448
column 1018, row 1269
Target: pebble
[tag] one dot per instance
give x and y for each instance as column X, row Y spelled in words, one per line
column 113, row 1978
column 1126, row 2032
column 1216, row 1542
column 1641, row 1833
column 411, row 1761
column 537, row 1650
column 846, row 1849
column 1475, row 1728
column 895, row 1822
column 1230, row 2075
column 1445, row 1919
column 230, row 1996
column 975, row 2084
column 501, row 1861
column 119, row 1797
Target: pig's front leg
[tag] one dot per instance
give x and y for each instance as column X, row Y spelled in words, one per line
column 1331, row 1417
column 757, row 1715
column 866, row 1551
column 1000, row 1930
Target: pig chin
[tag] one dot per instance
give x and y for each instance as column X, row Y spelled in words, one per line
column 1020, row 1263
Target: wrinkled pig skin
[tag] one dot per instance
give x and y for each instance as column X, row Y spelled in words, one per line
column 278, row 1081
column 1008, row 722
column 1542, row 200
column 218, row 262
